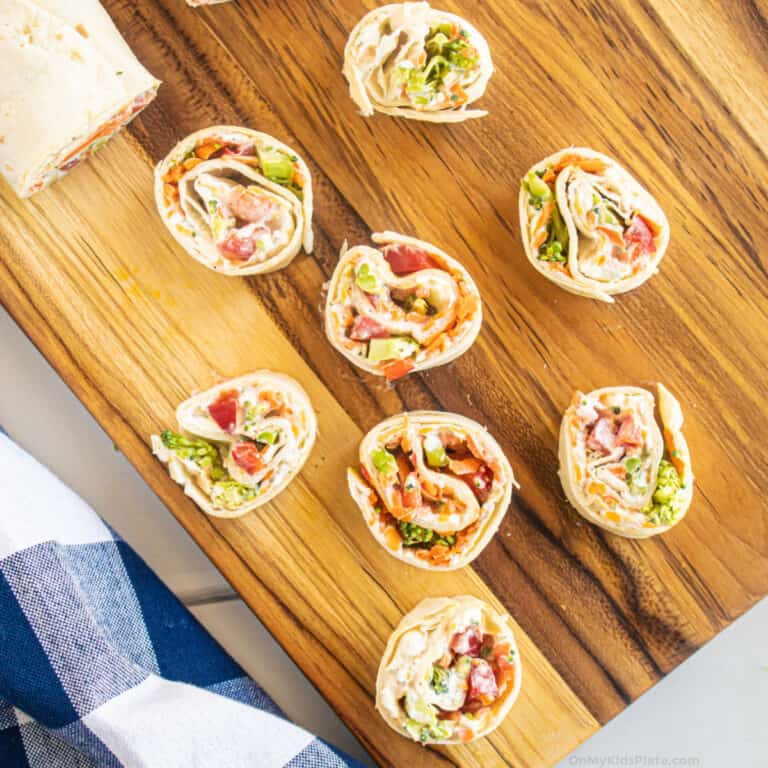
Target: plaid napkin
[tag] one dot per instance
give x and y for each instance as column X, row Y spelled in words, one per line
column 101, row 665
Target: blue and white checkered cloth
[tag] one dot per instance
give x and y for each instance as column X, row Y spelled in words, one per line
column 100, row 665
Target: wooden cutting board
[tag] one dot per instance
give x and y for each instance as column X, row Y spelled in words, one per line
column 134, row 325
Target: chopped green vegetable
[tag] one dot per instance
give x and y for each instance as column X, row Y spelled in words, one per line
column 634, row 479
column 366, row 280
column 537, row 187
column 443, row 56
column 420, row 710
column 393, row 348
column 414, row 535
column 440, row 679
column 556, row 246
column 276, row 165
column 200, row 451
column 423, row 538
column 384, row 461
column 268, row 436
column 231, row 494
column 434, row 450
column 666, row 504
column 438, row 732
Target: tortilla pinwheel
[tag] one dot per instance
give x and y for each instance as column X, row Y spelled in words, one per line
column 433, row 488
column 590, row 227
column 410, row 60
column 404, row 306
column 69, row 84
column 238, row 201
column 621, row 469
column 450, row 673
column 239, row 443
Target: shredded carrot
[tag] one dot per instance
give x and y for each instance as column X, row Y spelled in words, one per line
column 613, row 517
column 540, row 225
column 457, row 90
column 190, row 163
column 588, row 164
column 208, row 148
column 677, row 462
column 392, row 538
column 577, row 472
column 467, row 306
column 172, row 175
column 614, row 236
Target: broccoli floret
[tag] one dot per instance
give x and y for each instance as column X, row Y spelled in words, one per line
column 231, row 494
column 665, row 505
column 200, row 451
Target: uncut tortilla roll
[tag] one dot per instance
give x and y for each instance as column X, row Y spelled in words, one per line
column 410, row 60
column 433, row 488
column 402, row 307
column 620, row 468
column 239, row 443
column 238, row 201
column 450, row 673
column 69, row 84
column 590, row 227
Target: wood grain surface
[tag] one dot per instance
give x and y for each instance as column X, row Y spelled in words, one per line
column 134, row 325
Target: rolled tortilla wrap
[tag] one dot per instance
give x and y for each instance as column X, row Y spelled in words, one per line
column 589, row 226
column 433, row 488
column 402, row 307
column 239, row 443
column 620, row 468
column 238, row 201
column 450, row 673
column 70, row 83
column 410, row 60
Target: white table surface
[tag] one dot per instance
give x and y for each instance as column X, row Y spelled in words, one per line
column 711, row 712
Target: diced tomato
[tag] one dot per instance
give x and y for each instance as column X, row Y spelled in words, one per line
column 411, row 491
column 364, row 328
column 224, row 410
column 250, row 206
column 468, row 642
column 454, row 716
column 487, row 646
column 238, row 248
column 482, row 682
column 404, row 259
column 247, row 456
column 246, row 150
column 629, row 432
column 480, row 482
column 602, row 437
column 640, row 234
column 504, row 668
column 397, row 369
